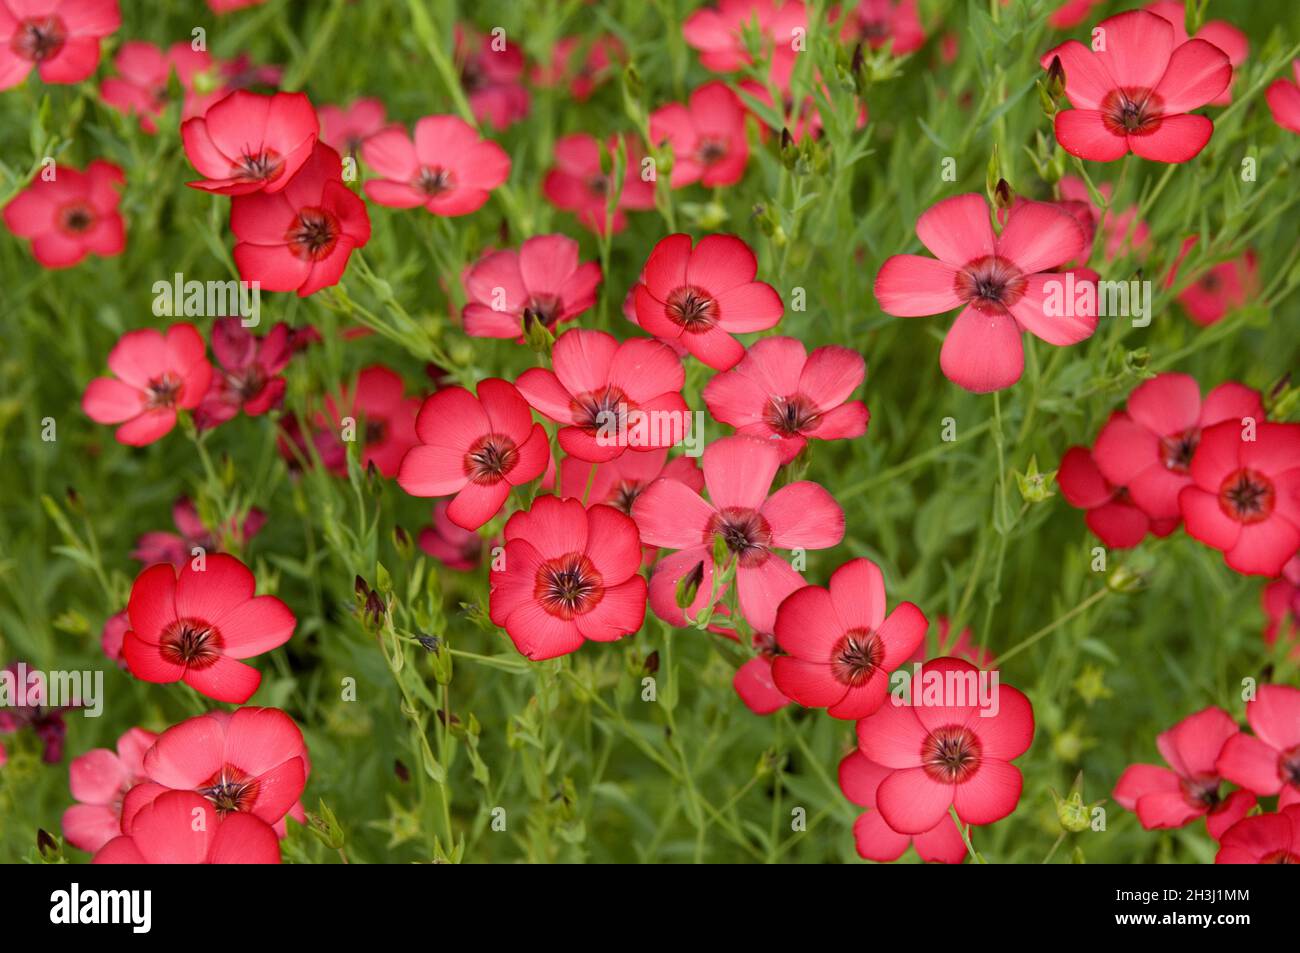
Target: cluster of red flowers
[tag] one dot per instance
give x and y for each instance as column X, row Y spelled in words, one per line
column 586, row 524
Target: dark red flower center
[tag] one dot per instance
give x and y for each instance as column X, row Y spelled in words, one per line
column 263, row 166
column 376, row 431
column 163, row 391
column 250, row 383
column 1289, row 766
column 314, row 233
column 710, row 150
column 603, row 408
column 744, row 531
column 190, row 642
column 599, row 185
column 1247, row 496
column 1200, row 792
column 951, row 754
column 856, row 657
column 434, row 180
column 76, row 218
column 791, row 416
column 230, row 790
column 1210, row 282
column 545, row 309
column 1283, row 856
column 38, row 38
column 1135, row 111
column 692, row 308
column 625, row 495
column 568, row 586
column 1176, row 451
column 490, row 458
column 990, row 284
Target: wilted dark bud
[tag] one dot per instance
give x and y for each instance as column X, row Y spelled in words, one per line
column 689, row 585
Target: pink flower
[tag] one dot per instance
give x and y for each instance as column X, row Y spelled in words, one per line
column 251, row 143
column 1243, row 496
column 140, row 86
column 1112, row 515
column 1263, row 839
column 379, row 412
column 1149, row 449
column 1217, row 32
column 1164, row 798
column 99, row 780
column 194, row 625
column 476, row 448
column 157, row 375
column 718, row 34
column 1071, row 14
column 778, row 392
column 1269, row 762
column 541, row 282
column 570, row 574
column 300, row 238
column 112, row 635
column 700, row 298
column 877, row 22
column 252, row 761
column 60, row 38
column 1003, row 284
column 448, row 169
column 738, row 472
column 577, row 184
column 346, row 128
column 491, row 72
column 178, row 549
column 1281, row 602
column 249, row 378
column 610, row 396
column 1123, row 233
column 454, row 547
column 860, row 779
column 962, row 647
column 165, row 832
column 1283, row 97
column 707, row 136
column 754, row 681
column 1137, row 93
column 581, row 64
column 840, row 646
column 948, row 755
column 1221, row 289
column 70, row 215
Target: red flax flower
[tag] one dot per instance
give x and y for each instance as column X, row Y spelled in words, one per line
column 379, row 405
column 541, row 282
column 1217, row 32
column 610, row 396
column 248, row 376
column 252, row 761
column 178, row 548
column 1112, row 516
column 193, row 625
column 779, row 392
column 1263, row 839
column 718, row 33
column 707, row 136
column 300, row 238
column 1267, row 763
column 570, row 574
column 1243, row 496
column 453, row 546
column 738, row 472
column 577, row 184
column 1283, row 97
column 1281, row 603
column 345, row 129
column 1164, row 798
column 250, row 143
column 60, row 38
column 70, row 216
column 475, row 448
column 1003, row 284
column 449, row 168
column 99, row 780
column 157, row 375
column 182, row 827
column 860, row 778
column 877, row 22
column 700, row 297
column 1149, row 449
column 947, row 752
column 140, row 86
column 1136, row 94
column 840, row 646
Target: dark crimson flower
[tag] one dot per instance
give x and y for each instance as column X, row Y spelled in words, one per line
column 71, row 215
column 1164, row 798
column 251, row 143
column 248, row 376
column 569, row 575
column 45, row 721
column 300, row 238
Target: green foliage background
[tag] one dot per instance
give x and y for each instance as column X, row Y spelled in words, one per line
column 586, row 770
